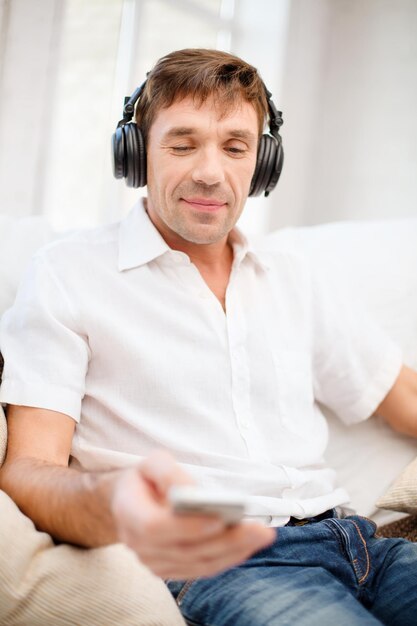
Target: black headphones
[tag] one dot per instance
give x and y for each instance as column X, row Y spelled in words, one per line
column 129, row 151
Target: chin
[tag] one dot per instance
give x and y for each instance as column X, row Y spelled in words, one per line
column 202, row 233
column 203, row 238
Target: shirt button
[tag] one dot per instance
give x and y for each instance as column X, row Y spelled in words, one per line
column 245, row 424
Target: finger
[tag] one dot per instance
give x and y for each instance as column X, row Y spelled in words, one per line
column 163, row 532
column 231, row 548
column 161, row 469
column 236, row 541
column 168, row 529
column 188, row 530
column 138, row 515
column 199, row 568
column 232, row 540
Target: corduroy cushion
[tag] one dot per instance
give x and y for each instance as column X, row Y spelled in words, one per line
column 3, row 438
column 43, row 584
column 402, row 494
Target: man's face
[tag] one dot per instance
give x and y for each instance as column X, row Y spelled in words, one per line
column 200, row 166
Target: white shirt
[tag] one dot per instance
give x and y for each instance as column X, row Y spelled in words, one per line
column 118, row 331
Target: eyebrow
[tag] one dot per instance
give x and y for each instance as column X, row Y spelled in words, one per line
column 183, row 131
column 243, row 134
column 179, row 131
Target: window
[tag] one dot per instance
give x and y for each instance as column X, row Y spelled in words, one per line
column 66, row 67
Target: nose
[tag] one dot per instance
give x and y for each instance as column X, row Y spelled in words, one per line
column 209, row 167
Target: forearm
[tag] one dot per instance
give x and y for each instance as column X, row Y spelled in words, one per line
column 399, row 408
column 130, row 505
column 72, row 506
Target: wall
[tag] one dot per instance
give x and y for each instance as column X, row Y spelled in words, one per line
column 344, row 72
column 27, row 80
column 349, row 99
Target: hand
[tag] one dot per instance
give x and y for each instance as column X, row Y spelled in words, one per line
column 177, row 546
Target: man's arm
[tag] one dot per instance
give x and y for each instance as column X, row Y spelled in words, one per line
column 399, row 407
column 130, row 505
column 36, row 475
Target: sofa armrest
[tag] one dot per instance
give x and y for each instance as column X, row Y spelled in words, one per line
column 3, row 436
column 43, row 584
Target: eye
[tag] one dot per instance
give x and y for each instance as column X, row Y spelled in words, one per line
column 181, row 149
column 236, row 147
column 235, row 150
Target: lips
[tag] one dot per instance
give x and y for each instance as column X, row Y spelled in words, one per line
column 204, row 204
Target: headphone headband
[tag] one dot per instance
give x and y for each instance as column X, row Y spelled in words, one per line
column 129, row 104
column 275, row 117
column 129, row 153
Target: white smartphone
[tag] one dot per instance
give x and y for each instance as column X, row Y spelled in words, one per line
column 192, row 500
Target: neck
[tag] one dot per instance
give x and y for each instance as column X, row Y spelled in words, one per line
column 213, row 257
column 213, row 260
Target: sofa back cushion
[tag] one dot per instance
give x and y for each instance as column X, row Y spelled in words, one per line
column 375, row 265
column 20, row 238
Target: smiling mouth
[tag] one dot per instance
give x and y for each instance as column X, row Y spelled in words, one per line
column 204, row 204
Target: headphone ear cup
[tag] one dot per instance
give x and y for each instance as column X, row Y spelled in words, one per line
column 118, row 153
column 268, row 166
column 254, row 186
column 277, row 167
column 135, row 156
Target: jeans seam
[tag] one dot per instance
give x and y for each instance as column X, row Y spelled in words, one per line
column 368, row 560
column 360, row 575
column 329, row 524
column 180, row 597
column 347, row 546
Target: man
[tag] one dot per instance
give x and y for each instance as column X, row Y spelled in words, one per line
column 169, row 333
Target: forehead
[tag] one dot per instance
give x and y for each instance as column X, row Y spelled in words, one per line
column 208, row 115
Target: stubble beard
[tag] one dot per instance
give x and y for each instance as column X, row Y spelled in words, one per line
column 203, row 228
column 200, row 227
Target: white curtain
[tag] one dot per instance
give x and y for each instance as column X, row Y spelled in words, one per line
column 344, row 72
column 65, row 69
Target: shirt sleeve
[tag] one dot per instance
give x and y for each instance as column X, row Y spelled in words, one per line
column 45, row 353
column 355, row 363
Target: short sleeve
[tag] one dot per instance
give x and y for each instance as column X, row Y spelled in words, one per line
column 355, row 363
column 45, row 351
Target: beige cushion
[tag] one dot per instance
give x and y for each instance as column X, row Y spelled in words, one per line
column 42, row 584
column 3, row 436
column 402, row 495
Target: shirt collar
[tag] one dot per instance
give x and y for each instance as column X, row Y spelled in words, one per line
column 139, row 241
column 242, row 247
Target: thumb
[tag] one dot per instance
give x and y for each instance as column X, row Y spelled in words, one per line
column 162, row 471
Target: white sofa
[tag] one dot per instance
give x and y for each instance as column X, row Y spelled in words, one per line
column 41, row 583
column 375, row 265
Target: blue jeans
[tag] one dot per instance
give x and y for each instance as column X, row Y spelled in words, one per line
column 332, row 572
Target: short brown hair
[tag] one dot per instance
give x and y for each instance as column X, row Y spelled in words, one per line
column 200, row 73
